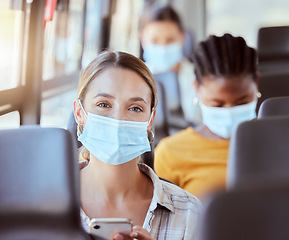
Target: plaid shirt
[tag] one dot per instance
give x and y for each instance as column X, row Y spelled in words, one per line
column 173, row 212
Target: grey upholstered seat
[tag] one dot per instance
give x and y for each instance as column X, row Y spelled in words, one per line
column 259, row 149
column 273, row 50
column 273, row 85
column 39, row 185
column 276, row 106
column 176, row 120
column 252, row 213
column 161, row 125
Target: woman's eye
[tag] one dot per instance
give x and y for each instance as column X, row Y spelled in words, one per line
column 219, row 105
column 216, row 104
column 170, row 40
column 103, row 105
column 136, row 109
column 242, row 103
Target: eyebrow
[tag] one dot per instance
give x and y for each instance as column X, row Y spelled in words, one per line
column 243, row 97
column 133, row 99
column 137, row 99
column 104, row 95
column 238, row 99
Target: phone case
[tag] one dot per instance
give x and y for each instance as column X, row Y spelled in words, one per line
column 105, row 228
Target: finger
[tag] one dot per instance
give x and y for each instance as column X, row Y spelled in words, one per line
column 119, row 236
column 140, row 233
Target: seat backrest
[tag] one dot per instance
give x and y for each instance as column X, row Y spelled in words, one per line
column 273, row 49
column 258, row 149
column 172, row 90
column 257, row 213
column 273, row 43
column 189, row 45
column 276, row 85
column 274, row 107
column 39, row 184
column 161, row 126
column 72, row 127
column 176, row 120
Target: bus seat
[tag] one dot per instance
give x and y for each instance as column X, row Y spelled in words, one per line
column 189, row 47
column 259, row 149
column 72, row 127
column 273, row 52
column 273, row 85
column 274, row 107
column 176, row 120
column 251, row 213
column 161, row 119
column 39, row 185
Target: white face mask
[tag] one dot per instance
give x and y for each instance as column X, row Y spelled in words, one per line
column 223, row 121
column 162, row 58
column 114, row 141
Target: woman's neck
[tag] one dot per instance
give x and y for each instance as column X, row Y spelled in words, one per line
column 113, row 182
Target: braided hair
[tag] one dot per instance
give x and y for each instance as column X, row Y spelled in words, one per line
column 225, row 56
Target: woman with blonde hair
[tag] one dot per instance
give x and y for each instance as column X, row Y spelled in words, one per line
column 115, row 110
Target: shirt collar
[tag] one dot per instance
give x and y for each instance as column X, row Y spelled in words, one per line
column 160, row 196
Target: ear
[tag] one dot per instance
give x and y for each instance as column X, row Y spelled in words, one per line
column 197, row 88
column 152, row 119
column 196, row 85
column 79, row 115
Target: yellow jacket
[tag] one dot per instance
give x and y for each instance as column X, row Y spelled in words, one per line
column 192, row 162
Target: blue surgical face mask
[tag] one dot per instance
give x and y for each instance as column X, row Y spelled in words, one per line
column 162, row 58
column 114, row 141
column 223, row 121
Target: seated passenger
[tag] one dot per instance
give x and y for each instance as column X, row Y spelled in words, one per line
column 162, row 39
column 226, row 85
column 115, row 110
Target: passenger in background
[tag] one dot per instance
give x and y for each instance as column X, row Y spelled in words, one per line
column 226, row 86
column 162, row 38
column 115, row 110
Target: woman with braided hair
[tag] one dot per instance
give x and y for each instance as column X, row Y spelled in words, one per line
column 226, row 86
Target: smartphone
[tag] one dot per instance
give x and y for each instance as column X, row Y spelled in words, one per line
column 105, row 228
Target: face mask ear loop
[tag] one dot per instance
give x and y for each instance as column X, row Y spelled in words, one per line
column 82, row 107
column 149, row 122
column 79, row 132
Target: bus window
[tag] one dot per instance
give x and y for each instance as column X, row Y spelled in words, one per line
column 11, row 25
column 124, row 27
column 63, row 40
column 92, row 31
column 63, row 46
column 55, row 111
column 244, row 18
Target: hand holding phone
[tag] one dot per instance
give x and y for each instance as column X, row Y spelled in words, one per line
column 106, row 228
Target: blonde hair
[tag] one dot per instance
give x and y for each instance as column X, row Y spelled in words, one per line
column 114, row 59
